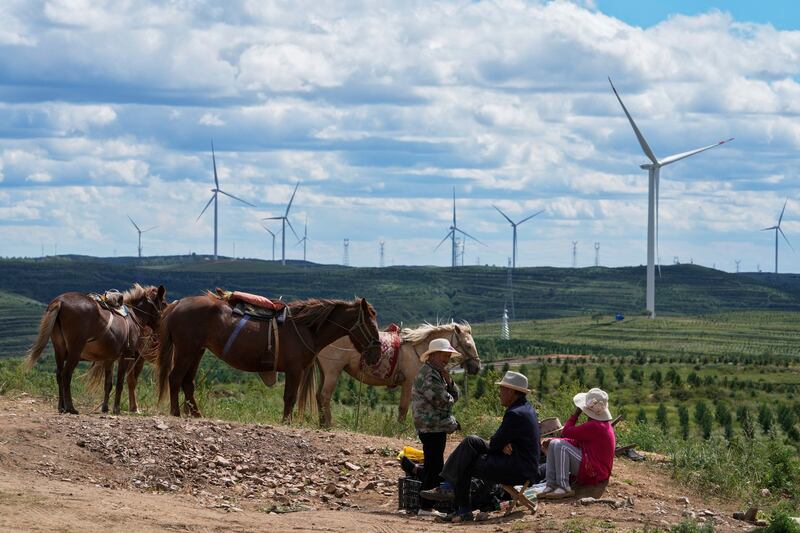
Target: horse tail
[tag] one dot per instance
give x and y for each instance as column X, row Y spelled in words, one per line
column 46, row 326
column 164, row 362
column 308, row 389
column 95, row 376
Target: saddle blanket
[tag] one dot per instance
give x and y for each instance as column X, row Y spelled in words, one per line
column 386, row 366
column 234, row 297
column 110, row 300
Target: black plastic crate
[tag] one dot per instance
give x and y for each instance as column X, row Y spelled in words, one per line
column 408, row 493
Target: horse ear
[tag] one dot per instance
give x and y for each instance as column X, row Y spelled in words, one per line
column 161, row 292
column 365, row 305
column 457, row 326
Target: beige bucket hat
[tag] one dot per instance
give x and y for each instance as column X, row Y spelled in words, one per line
column 514, row 380
column 594, row 403
column 438, row 345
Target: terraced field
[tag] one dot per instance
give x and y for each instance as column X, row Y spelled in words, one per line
column 19, row 318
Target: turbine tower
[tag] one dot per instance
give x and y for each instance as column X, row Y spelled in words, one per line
column 597, row 254
column 138, row 230
column 346, row 252
column 514, row 232
column 382, row 243
column 653, row 168
column 737, row 261
column 574, row 254
column 216, row 190
column 778, row 229
column 273, row 240
column 452, row 236
column 284, row 221
column 304, row 240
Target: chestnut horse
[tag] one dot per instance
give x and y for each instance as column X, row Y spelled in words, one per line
column 81, row 330
column 205, row 322
column 340, row 356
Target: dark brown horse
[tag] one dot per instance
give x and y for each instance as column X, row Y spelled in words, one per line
column 205, row 322
column 83, row 331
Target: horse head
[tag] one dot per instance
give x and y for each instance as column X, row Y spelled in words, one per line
column 364, row 334
column 465, row 344
column 148, row 304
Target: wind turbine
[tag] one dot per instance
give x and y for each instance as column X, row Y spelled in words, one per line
column 778, row 229
column 284, row 221
column 514, row 228
column 216, row 190
column 140, row 231
column 452, row 235
column 304, row 240
column 653, row 168
column 273, row 240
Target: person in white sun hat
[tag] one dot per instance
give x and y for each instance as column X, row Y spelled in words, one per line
column 432, row 397
column 585, row 452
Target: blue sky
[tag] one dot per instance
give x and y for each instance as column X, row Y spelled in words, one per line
column 108, row 109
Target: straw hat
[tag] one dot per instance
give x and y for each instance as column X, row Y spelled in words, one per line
column 594, row 403
column 549, row 426
column 515, row 381
column 438, row 345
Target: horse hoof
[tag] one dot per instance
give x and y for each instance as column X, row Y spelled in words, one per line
column 117, row 411
column 72, row 411
column 104, row 409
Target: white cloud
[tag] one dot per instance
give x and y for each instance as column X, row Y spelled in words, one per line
column 39, row 177
column 211, row 119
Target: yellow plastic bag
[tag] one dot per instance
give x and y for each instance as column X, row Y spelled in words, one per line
column 412, row 453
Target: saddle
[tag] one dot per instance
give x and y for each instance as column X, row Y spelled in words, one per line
column 111, row 300
column 254, row 306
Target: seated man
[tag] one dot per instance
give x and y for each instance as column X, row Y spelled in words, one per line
column 510, row 457
column 585, row 452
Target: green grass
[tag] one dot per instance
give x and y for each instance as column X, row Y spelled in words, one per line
column 19, row 320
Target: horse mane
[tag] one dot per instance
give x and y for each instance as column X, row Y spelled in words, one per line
column 313, row 312
column 137, row 292
column 421, row 333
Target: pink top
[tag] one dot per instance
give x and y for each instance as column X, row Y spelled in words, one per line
column 597, row 443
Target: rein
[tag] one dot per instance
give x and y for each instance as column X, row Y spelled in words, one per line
column 361, row 328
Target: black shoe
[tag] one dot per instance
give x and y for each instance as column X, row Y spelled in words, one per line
column 457, row 518
column 408, row 466
column 438, row 494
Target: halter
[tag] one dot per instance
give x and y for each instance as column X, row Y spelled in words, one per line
column 360, row 327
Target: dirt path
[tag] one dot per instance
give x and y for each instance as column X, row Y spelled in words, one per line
column 101, row 473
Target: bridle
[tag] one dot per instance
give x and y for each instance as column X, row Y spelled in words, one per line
column 367, row 340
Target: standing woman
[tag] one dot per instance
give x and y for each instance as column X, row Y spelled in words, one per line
column 432, row 399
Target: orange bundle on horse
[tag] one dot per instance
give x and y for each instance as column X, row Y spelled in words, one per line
column 82, row 330
column 198, row 323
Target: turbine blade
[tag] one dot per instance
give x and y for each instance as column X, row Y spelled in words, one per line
column 214, row 159
column 504, row 215
column 642, row 142
column 292, row 228
column 530, row 217
column 684, row 155
column 149, row 229
column 235, row 198
column 134, row 223
column 268, row 230
column 289, row 206
column 454, row 207
column 443, row 240
column 273, row 218
column 785, row 239
column 773, row 227
column 470, row 236
column 782, row 210
column 206, row 207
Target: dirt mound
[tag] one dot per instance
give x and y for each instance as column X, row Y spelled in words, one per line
column 93, row 472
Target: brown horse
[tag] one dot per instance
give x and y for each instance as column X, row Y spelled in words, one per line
column 83, row 331
column 205, row 322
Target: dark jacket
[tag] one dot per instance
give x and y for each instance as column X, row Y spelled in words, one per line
column 520, row 427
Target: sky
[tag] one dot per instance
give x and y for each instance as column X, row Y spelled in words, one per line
column 381, row 109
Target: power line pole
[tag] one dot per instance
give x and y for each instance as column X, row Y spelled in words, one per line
column 574, row 254
column 505, row 334
column 347, row 252
column 382, row 243
column 737, row 261
column 597, row 254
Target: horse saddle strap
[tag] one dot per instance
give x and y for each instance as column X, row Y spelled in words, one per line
column 273, row 344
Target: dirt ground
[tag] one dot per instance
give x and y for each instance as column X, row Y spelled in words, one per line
column 140, row 473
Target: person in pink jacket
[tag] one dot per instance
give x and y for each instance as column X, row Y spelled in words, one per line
column 586, row 451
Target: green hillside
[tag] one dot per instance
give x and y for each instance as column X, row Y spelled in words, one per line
column 19, row 318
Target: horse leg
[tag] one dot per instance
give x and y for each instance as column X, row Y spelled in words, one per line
column 133, row 380
column 324, row 395
column 60, row 349
column 291, row 383
column 66, row 382
column 122, row 367
column 188, row 389
column 107, row 384
column 179, row 369
column 405, row 400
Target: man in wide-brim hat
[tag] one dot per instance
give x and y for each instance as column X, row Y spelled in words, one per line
column 510, row 457
column 432, row 397
column 585, row 452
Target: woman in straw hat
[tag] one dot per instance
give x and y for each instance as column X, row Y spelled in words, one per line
column 432, row 397
column 585, row 451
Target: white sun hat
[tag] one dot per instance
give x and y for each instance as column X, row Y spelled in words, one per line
column 438, row 345
column 514, row 380
column 594, row 403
